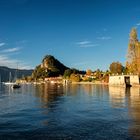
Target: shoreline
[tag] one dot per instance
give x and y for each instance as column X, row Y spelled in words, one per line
column 82, row 83
column 90, row 83
column 102, row 83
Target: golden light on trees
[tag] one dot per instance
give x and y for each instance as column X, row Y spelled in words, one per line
column 116, row 68
column 133, row 54
column 133, row 34
column 89, row 72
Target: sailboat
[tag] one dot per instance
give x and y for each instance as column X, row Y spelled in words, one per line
column 10, row 80
column 16, row 85
column 0, row 80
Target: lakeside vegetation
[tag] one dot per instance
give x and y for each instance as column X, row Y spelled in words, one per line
column 50, row 67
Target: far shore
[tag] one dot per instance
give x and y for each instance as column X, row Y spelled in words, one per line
column 84, row 83
column 94, row 83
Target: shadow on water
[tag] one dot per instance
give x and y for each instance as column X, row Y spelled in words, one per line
column 129, row 98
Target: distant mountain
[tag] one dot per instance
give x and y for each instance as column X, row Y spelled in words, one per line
column 5, row 72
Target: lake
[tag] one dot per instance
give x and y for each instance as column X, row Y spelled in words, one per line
column 53, row 111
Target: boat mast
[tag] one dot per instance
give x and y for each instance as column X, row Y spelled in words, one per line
column 16, row 73
column 10, row 77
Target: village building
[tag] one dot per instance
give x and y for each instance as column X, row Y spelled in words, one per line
column 124, row 80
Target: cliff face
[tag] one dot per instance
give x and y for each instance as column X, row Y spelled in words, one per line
column 52, row 64
column 5, row 73
column 50, row 67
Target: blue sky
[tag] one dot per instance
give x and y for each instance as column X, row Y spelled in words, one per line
column 84, row 34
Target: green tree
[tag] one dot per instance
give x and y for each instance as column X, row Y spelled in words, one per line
column 67, row 73
column 39, row 73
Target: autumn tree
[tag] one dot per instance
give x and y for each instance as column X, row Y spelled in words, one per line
column 133, row 54
column 116, row 68
column 75, row 77
column 89, row 72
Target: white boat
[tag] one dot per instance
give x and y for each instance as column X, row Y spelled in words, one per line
column 9, row 82
column 14, row 85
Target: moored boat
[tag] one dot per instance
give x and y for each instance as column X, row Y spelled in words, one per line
column 14, row 86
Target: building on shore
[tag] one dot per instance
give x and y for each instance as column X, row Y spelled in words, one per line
column 54, row 79
column 124, row 80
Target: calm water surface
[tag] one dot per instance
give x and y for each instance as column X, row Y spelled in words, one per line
column 54, row 111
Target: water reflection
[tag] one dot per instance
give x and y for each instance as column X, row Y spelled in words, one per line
column 88, row 89
column 72, row 111
column 48, row 93
column 117, row 96
column 134, row 110
column 128, row 98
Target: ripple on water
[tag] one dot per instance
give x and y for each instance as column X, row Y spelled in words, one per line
column 74, row 112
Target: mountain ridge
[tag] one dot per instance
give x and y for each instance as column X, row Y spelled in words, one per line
column 5, row 72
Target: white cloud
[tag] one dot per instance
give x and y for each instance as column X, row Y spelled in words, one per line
column 104, row 38
column 25, row 66
column 86, row 44
column 138, row 24
column 83, row 42
column 89, row 45
column 2, row 44
column 12, row 63
column 11, row 50
column 6, row 61
column 7, row 56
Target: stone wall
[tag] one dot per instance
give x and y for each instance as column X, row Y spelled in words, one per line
column 116, row 80
column 134, row 79
column 120, row 79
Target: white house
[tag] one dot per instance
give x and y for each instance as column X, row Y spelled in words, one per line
column 124, row 80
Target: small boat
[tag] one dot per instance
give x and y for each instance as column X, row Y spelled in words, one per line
column 14, row 86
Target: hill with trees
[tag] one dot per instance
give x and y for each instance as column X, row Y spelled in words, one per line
column 50, row 67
